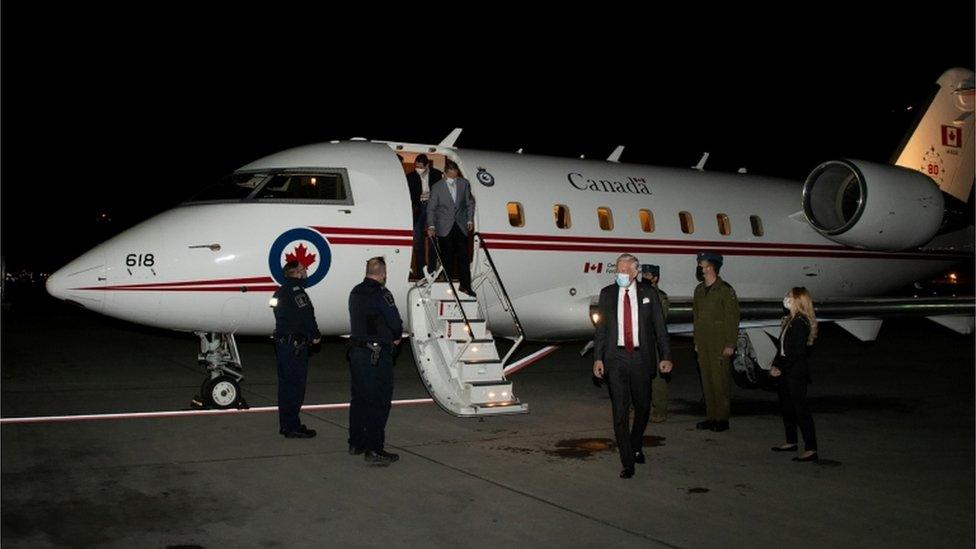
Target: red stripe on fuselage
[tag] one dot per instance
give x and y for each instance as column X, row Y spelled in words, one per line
column 243, row 281
column 364, row 231
column 243, row 289
column 614, row 247
column 492, row 237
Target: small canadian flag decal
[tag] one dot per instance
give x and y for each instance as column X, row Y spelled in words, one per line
column 952, row 136
column 595, row 267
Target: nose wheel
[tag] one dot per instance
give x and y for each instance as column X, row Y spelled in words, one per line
column 222, row 392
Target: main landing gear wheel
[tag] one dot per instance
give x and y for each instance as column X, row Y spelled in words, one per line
column 222, row 392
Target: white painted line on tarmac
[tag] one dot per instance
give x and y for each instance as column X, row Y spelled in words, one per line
column 183, row 413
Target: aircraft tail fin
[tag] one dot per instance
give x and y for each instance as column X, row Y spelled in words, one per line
column 942, row 144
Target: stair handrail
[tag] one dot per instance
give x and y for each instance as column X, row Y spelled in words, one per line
column 454, row 294
column 507, row 301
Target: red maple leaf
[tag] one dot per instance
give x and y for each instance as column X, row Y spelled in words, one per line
column 300, row 256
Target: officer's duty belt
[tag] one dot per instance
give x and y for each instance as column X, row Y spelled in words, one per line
column 298, row 339
column 367, row 344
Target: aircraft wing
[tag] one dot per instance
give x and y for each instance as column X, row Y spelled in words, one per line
column 862, row 317
column 754, row 312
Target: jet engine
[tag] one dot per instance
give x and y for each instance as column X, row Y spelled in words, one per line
column 873, row 206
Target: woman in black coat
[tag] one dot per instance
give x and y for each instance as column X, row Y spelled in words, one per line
column 792, row 367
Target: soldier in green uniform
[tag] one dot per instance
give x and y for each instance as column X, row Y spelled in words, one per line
column 716, row 319
column 651, row 275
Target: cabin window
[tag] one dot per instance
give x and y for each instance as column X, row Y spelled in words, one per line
column 757, row 228
column 687, row 223
column 516, row 215
column 330, row 186
column 605, row 217
column 561, row 213
column 647, row 221
column 724, row 225
column 756, row 222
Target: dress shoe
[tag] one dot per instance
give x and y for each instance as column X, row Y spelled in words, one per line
column 639, row 457
column 299, row 434
column 706, row 425
column 469, row 291
column 305, row 429
column 786, row 448
column 720, row 426
column 811, row 457
column 627, row 472
column 658, row 419
column 380, row 456
column 355, row 450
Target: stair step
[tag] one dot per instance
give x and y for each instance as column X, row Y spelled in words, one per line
column 480, row 352
column 455, row 330
column 449, row 310
column 442, row 292
column 498, row 409
column 482, row 394
column 475, row 374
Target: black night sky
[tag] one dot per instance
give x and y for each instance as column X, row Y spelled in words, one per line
column 129, row 111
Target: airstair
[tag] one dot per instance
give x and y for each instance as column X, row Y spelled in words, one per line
column 453, row 345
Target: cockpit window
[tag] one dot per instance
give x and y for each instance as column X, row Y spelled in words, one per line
column 296, row 185
column 235, row 186
column 309, row 186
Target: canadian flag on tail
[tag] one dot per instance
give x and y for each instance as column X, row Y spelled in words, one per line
column 951, row 136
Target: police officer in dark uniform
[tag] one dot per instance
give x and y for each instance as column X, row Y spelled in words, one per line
column 375, row 329
column 295, row 330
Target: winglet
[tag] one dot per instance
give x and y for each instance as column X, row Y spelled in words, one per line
column 615, row 155
column 451, row 138
column 701, row 163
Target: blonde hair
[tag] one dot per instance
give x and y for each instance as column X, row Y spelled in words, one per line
column 803, row 304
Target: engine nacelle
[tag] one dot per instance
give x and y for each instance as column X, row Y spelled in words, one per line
column 872, row 206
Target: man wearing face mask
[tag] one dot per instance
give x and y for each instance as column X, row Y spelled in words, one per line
column 420, row 180
column 630, row 331
column 375, row 329
column 716, row 323
column 295, row 330
column 450, row 217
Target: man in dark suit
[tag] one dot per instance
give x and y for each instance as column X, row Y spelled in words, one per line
column 420, row 181
column 629, row 332
column 450, row 217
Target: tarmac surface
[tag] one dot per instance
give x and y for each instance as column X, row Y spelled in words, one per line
column 894, row 418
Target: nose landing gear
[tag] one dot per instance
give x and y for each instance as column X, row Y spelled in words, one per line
column 221, row 388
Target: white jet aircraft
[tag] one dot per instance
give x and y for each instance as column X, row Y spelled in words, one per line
column 548, row 231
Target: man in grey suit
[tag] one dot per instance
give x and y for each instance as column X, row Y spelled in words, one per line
column 450, row 216
column 630, row 331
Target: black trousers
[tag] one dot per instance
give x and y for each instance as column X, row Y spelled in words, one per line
column 796, row 411
column 292, row 376
column 454, row 247
column 629, row 379
column 372, row 392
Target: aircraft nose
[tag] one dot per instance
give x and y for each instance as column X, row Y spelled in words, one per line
column 82, row 281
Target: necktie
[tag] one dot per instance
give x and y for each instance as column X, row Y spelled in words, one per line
column 628, row 324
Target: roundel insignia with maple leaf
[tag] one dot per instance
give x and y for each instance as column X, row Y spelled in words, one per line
column 304, row 246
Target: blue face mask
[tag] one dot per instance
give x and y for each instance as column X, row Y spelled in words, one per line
column 623, row 280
